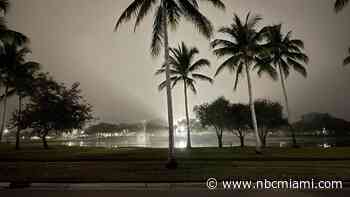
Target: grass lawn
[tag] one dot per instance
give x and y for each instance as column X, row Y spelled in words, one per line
column 76, row 164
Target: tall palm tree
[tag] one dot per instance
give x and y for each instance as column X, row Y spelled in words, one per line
column 244, row 51
column 23, row 86
column 340, row 4
column 14, row 51
column 347, row 59
column 184, row 69
column 286, row 54
column 168, row 12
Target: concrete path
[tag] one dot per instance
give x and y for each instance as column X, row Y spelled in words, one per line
column 152, row 190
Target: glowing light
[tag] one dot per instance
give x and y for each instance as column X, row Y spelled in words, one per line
column 325, row 145
column 35, row 138
column 181, row 144
column 6, row 131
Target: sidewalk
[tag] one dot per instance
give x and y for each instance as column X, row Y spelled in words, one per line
column 112, row 186
column 121, row 186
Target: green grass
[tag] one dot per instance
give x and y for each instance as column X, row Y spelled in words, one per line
column 76, row 164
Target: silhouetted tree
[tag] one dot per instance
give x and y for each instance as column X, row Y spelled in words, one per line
column 4, row 5
column 270, row 117
column 214, row 115
column 238, row 120
column 244, row 50
column 13, row 52
column 53, row 107
column 286, row 54
column 23, row 84
column 168, row 12
column 184, row 69
column 340, row 4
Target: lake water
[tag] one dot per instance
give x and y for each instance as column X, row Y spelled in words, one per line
column 205, row 139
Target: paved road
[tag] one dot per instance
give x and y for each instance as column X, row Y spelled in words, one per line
column 153, row 190
column 159, row 193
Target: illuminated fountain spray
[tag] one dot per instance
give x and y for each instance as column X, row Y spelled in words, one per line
column 141, row 136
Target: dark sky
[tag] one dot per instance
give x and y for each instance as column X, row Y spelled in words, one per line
column 74, row 40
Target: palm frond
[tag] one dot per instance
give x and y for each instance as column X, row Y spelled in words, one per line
column 222, row 43
column 224, row 51
column 217, row 3
column 202, row 77
column 192, row 86
column 145, row 8
column 298, row 56
column 162, row 71
column 269, row 70
column 131, row 10
column 230, row 63
column 175, row 81
column 174, row 13
column 157, row 33
column 199, row 64
column 13, row 38
column 297, row 67
column 340, row 4
column 192, row 14
column 164, row 83
column 298, row 43
column 251, row 22
column 285, row 68
column 346, row 61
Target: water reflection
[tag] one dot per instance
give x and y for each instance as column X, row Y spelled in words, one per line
column 204, row 139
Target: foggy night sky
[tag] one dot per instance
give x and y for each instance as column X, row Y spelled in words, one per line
column 74, row 41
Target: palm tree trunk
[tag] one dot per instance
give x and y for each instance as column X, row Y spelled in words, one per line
column 171, row 156
column 287, row 104
column 46, row 146
column 19, row 122
column 187, row 118
column 3, row 122
column 252, row 111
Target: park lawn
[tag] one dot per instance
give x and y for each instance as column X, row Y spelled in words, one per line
column 77, row 164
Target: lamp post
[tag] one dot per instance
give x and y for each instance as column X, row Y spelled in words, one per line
column 6, row 131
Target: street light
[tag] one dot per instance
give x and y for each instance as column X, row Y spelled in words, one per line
column 6, row 131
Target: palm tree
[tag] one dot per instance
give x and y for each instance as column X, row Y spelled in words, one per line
column 340, row 4
column 14, row 51
column 23, row 86
column 183, row 68
column 286, row 54
column 168, row 12
column 244, row 50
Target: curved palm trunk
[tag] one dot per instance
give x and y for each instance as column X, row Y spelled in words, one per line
column 287, row 104
column 19, row 120
column 252, row 111
column 171, row 156
column 187, row 119
column 3, row 122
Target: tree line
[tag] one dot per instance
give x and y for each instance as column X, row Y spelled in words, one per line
column 44, row 105
column 235, row 117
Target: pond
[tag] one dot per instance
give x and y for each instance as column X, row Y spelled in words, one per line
column 204, row 139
